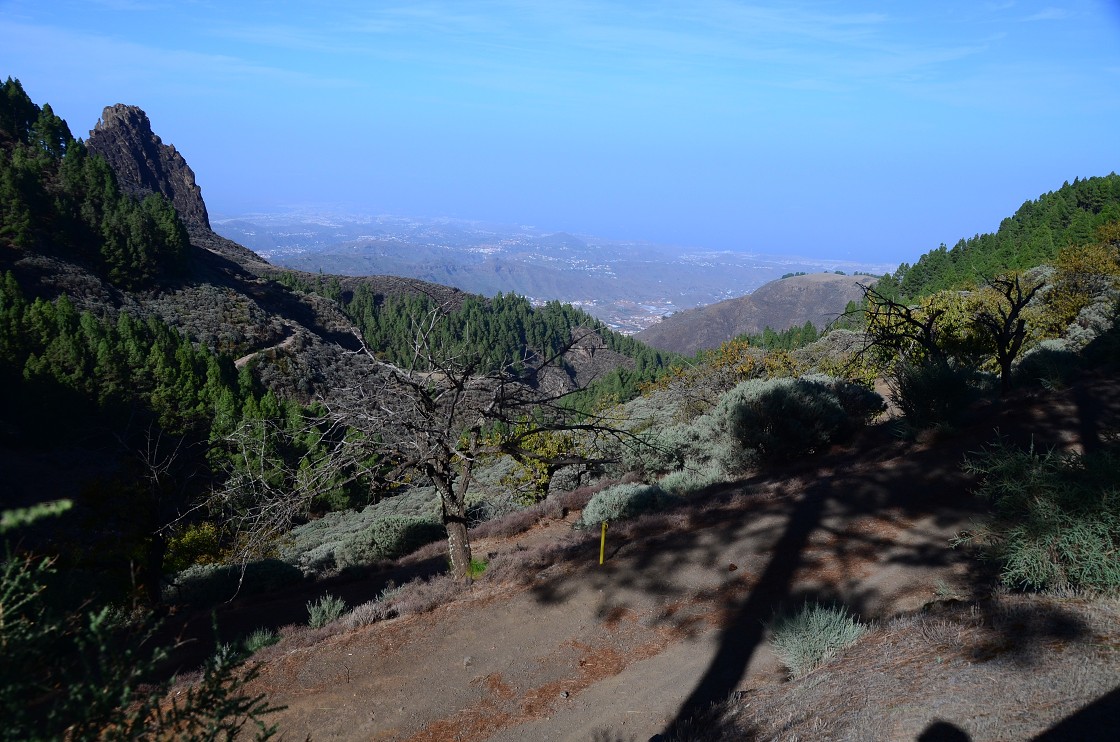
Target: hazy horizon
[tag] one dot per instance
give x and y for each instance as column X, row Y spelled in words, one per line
column 855, row 130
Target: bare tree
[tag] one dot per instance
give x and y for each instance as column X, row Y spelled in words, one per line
column 1004, row 323
column 434, row 418
column 998, row 323
column 901, row 329
column 441, row 416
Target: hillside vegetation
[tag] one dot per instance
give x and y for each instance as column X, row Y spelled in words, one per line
column 1035, row 235
column 188, row 424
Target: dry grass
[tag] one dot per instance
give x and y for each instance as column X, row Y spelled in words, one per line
column 1035, row 658
column 422, row 595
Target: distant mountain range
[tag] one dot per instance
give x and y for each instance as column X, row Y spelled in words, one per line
column 628, row 285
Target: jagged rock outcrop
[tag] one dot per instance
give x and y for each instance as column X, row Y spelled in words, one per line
column 144, row 164
column 788, row 302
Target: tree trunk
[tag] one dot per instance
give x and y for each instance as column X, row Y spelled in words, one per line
column 458, row 548
column 453, row 498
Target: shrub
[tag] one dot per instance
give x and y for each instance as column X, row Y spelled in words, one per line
column 1057, row 517
column 807, row 639
column 98, row 683
column 327, row 609
column 388, row 538
column 199, row 543
column 213, row 583
column 378, row 609
column 782, row 419
column 691, row 479
column 624, row 501
column 1051, row 363
column 931, row 394
column 260, row 639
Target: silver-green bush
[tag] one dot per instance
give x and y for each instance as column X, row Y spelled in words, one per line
column 807, row 639
column 931, row 394
column 388, row 538
column 327, row 609
column 260, row 639
column 1057, row 517
column 624, row 501
column 783, row 419
column 207, row 584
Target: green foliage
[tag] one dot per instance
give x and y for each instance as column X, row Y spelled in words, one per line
column 623, row 501
column 1056, row 520
column 198, row 543
column 807, row 639
column 327, row 609
column 57, row 195
column 1033, row 236
column 788, row 339
column 476, row 568
column 97, row 683
column 785, row 418
column 11, row 519
column 932, row 393
column 388, row 538
column 259, row 639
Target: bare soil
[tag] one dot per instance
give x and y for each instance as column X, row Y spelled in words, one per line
column 669, row 634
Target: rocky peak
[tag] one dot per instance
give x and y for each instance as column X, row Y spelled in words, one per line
column 144, row 164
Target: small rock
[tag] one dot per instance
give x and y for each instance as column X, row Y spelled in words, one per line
column 467, row 661
column 564, row 694
column 732, row 567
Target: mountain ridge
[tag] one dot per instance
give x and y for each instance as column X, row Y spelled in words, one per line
column 818, row 298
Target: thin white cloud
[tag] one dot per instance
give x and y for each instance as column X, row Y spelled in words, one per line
column 113, row 58
column 1048, row 14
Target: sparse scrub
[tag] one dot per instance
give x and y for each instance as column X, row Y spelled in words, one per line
column 325, row 610
column 421, row 596
column 807, row 639
column 1057, row 517
column 378, row 609
column 624, row 501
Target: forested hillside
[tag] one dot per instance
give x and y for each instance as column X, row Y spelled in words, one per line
column 165, row 362
column 1034, row 235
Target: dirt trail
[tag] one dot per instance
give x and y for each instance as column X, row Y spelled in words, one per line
column 586, row 650
column 673, row 621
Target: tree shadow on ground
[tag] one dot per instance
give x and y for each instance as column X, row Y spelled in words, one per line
column 1097, row 722
column 799, row 515
column 195, row 632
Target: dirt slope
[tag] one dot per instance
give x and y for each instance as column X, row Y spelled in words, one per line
column 551, row 646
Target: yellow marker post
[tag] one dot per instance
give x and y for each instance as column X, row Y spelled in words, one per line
column 603, row 543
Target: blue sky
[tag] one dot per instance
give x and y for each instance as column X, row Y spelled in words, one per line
column 855, row 130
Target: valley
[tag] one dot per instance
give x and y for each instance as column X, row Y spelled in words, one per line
column 628, row 285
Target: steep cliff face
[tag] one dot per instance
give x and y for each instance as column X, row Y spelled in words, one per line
column 144, row 164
